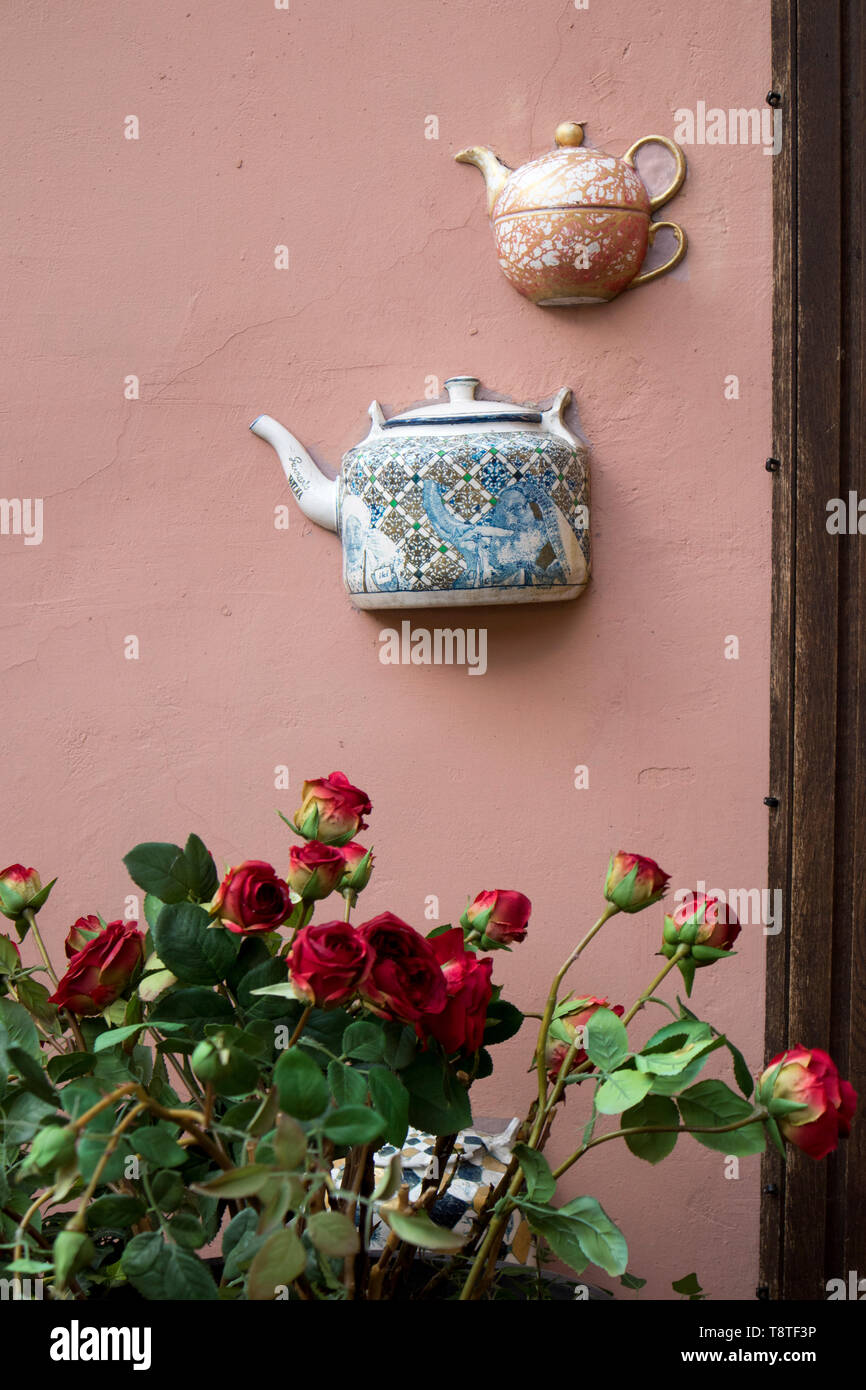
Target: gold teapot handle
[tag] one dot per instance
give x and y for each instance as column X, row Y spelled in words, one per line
column 679, row 159
column 682, row 243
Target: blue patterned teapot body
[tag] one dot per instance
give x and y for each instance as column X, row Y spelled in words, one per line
column 464, row 501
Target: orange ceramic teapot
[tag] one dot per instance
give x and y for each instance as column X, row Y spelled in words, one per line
column 574, row 226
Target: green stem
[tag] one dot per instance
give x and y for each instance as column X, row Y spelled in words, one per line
column 30, row 916
column 759, row 1115
column 541, row 1046
column 351, row 898
column 650, row 990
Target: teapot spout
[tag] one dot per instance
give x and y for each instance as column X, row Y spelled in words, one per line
column 316, row 494
column 495, row 172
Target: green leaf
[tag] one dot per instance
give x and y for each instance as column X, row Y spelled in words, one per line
column 353, row 1124
column 186, row 1230
column 200, row 869
column 168, row 1189
column 152, row 908
column 580, row 1232
column 91, row 1148
column 32, row 1076
column 302, row 1088
column 714, row 1103
column 34, row 997
column 334, row 1234
column 237, row 1182
column 278, row 1263
column 631, row 1281
column 401, row 1044
column 652, row 1110
column 438, row 1103
column 622, row 1089
column 157, row 1146
column 503, row 1022
column 196, row 952
column 195, row 1008
column 416, row 1228
column 391, row 1099
column 115, row 1036
column 115, row 1209
column 290, row 1144
column 348, row 1085
column 606, row 1040
column 689, row 1286
column 68, row 1065
column 166, row 1272
column 364, row 1041
column 742, row 1075
column 20, row 1027
column 540, row 1182
column 160, row 869
column 242, row 1224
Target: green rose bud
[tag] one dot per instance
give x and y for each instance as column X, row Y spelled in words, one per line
column 72, row 1251
column 230, row 1070
column 52, row 1147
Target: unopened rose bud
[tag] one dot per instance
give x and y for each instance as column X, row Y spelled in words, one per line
column 808, row 1099
column 331, row 810
column 20, row 889
column 314, row 870
column 498, row 917
column 704, row 929
column 634, row 882
column 359, row 866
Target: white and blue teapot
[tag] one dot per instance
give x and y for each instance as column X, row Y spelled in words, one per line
column 456, row 502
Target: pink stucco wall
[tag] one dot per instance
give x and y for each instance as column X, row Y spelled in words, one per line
column 155, row 258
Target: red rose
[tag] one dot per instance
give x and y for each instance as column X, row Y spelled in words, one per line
column 18, row 888
column 252, row 898
column 501, row 916
column 328, row 962
column 633, row 881
column 331, row 810
column 563, row 1032
column 100, row 972
column 359, row 866
column 701, row 921
column 459, row 1027
column 83, row 929
column 811, row 1078
column 405, row 980
column 315, row 869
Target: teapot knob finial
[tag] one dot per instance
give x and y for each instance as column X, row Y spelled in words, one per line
column 569, row 133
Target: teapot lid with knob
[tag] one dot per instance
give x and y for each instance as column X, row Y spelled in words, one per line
column 462, row 408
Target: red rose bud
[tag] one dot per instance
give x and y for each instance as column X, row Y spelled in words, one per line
column 405, row 980
column 101, row 971
column 706, row 926
column 459, row 1027
column 251, row 898
column 359, row 866
column 808, row 1099
column 20, row 888
column 328, row 962
column 500, row 917
column 565, row 1029
column 84, row 929
column 633, row 881
column 314, row 870
column 331, row 810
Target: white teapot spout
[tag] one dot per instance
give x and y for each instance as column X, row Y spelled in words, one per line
column 316, row 495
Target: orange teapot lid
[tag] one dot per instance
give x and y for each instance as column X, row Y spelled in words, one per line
column 572, row 176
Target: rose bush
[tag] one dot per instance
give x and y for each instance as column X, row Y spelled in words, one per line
column 228, row 1077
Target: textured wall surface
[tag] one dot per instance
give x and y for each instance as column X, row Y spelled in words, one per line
column 154, row 257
